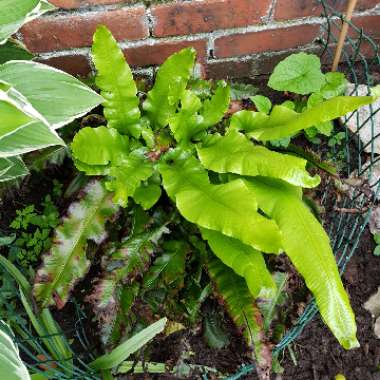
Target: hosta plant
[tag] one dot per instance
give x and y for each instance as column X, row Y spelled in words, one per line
column 35, row 99
column 245, row 199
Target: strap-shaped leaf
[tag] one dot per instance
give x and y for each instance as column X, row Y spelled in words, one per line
column 170, row 266
column 242, row 309
column 66, row 262
column 171, row 81
column 115, row 80
column 194, row 117
column 125, row 179
column 245, row 261
column 234, row 153
column 228, row 208
column 100, row 146
column 308, row 247
column 214, row 108
column 58, row 97
column 14, row 13
column 283, row 122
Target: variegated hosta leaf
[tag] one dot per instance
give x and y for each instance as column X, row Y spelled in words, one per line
column 245, row 261
column 14, row 50
column 126, row 178
column 228, row 208
column 12, row 168
column 234, row 153
column 171, row 81
column 23, row 128
column 100, row 146
column 15, row 13
column 57, row 96
column 66, row 262
column 308, row 247
column 284, row 122
column 242, row 308
column 115, row 80
column 194, row 117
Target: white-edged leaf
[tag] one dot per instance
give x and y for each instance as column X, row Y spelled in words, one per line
column 58, row 97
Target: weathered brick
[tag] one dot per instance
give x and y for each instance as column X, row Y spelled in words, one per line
column 291, row 9
column 72, row 64
column 182, row 18
column 155, row 54
column 75, row 31
column 266, row 40
column 70, row 4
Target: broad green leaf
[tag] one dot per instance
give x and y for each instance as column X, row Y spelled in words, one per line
column 66, row 262
column 100, row 146
column 11, row 365
column 335, row 85
column 171, row 81
column 170, row 266
column 214, row 108
column 223, row 208
column 126, row 178
column 324, row 128
column 115, row 80
column 245, row 261
column 58, row 97
column 283, row 122
column 15, row 13
column 242, row 308
column 313, row 258
column 248, row 120
column 130, row 346
column 12, row 168
column 13, row 50
column 147, row 195
column 187, row 121
column 262, row 103
column 234, row 153
column 299, row 73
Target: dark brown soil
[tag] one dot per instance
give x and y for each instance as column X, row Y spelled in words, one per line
column 318, row 354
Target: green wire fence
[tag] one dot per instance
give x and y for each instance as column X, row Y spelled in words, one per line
column 361, row 62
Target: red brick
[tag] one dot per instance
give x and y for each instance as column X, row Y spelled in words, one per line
column 291, row 9
column 70, row 4
column 369, row 24
column 205, row 16
column 75, row 31
column 266, row 40
column 148, row 55
column 72, row 64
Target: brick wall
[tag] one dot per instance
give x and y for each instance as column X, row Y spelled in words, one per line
column 234, row 38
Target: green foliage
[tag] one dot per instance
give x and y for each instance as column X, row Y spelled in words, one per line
column 117, row 85
column 14, row 13
column 241, row 306
column 283, row 203
column 13, row 50
column 262, row 103
column 244, row 260
column 247, row 197
column 299, row 73
column 66, row 262
column 11, row 365
column 376, row 238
